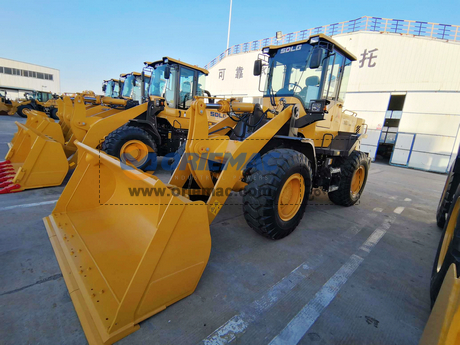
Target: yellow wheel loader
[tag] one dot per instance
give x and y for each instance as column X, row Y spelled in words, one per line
column 112, row 87
column 38, row 159
column 162, row 129
column 37, row 100
column 6, row 104
column 130, row 245
column 42, row 151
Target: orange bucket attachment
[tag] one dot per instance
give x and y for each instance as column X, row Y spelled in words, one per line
column 125, row 256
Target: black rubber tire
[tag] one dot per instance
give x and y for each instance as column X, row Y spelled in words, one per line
column 261, row 195
column 53, row 112
column 348, row 166
column 115, row 141
column 21, row 108
column 445, row 200
column 452, row 255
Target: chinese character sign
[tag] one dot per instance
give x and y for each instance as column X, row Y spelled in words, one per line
column 369, row 56
column 222, row 73
column 239, row 73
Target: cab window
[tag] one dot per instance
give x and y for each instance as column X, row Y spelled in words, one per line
column 334, row 69
column 186, row 87
column 170, row 88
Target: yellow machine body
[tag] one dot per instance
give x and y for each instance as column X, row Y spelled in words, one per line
column 125, row 256
column 117, row 277
column 443, row 326
column 103, row 235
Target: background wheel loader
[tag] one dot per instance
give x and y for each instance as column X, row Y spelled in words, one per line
column 5, row 104
column 42, row 151
column 39, row 158
column 126, row 256
column 37, row 100
column 112, row 87
column 163, row 127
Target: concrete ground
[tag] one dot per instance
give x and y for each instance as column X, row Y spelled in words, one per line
column 357, row 275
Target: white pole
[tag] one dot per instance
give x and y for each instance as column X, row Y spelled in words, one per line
column 229, row 22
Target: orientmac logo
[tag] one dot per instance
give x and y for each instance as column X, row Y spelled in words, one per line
column 291, row 49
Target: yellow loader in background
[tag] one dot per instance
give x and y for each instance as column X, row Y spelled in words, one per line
column 112, row 87
column 36, row 100
column 37, row 159
column 42, row 151
column 130, row 245
column 161, row 129
column 6, row 104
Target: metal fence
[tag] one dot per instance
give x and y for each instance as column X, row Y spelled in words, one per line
column 398, row 26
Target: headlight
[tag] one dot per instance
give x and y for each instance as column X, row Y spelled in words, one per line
column 316, row 107
column 265, row 50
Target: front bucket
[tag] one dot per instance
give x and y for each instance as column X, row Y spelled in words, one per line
column 34, row 160
column 125, row 256
column 42, row 123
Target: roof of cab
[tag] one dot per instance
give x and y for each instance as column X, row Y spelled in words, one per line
column 151, row 64
column 322, row 37
column 124, row 75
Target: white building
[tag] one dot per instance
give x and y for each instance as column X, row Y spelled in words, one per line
column 18, row 77
column 405, row 84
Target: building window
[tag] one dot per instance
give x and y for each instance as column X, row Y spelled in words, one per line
column 396, row 102
column 24, row 73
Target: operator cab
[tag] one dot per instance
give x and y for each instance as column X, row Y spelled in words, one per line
column 111, row 88
column 176, row 81
column 132, row 86
column 313, row 72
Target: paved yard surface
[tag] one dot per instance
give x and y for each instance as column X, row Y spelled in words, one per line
column 357, row 275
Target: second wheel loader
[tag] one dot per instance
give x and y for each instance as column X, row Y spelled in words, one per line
column 153, row 119
column 126, row 256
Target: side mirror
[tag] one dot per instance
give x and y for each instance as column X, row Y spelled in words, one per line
column 257, row 67
column 104, row 87
column 316, row 57
column 167, row 72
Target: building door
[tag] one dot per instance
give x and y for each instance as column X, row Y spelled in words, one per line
column 390, row 127
column 402, row 149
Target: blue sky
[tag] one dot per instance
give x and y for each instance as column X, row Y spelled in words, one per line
column 94, row 40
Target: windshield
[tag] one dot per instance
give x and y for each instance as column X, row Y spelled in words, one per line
column 29, row 96
column 116, row 89
column 130, row 90
column 108, row 88
column 290, row 75
column 157, row 82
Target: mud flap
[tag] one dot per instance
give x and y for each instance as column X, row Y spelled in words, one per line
column 33, row 161
column 125, row 256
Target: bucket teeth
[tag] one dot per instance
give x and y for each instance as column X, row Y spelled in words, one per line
column 6, row 173
column 6, row 178
column 9, row 187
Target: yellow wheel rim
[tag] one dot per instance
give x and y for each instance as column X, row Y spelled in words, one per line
column 291, row 197
column 448, row 236
column 134, row 152
column 357, row 180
